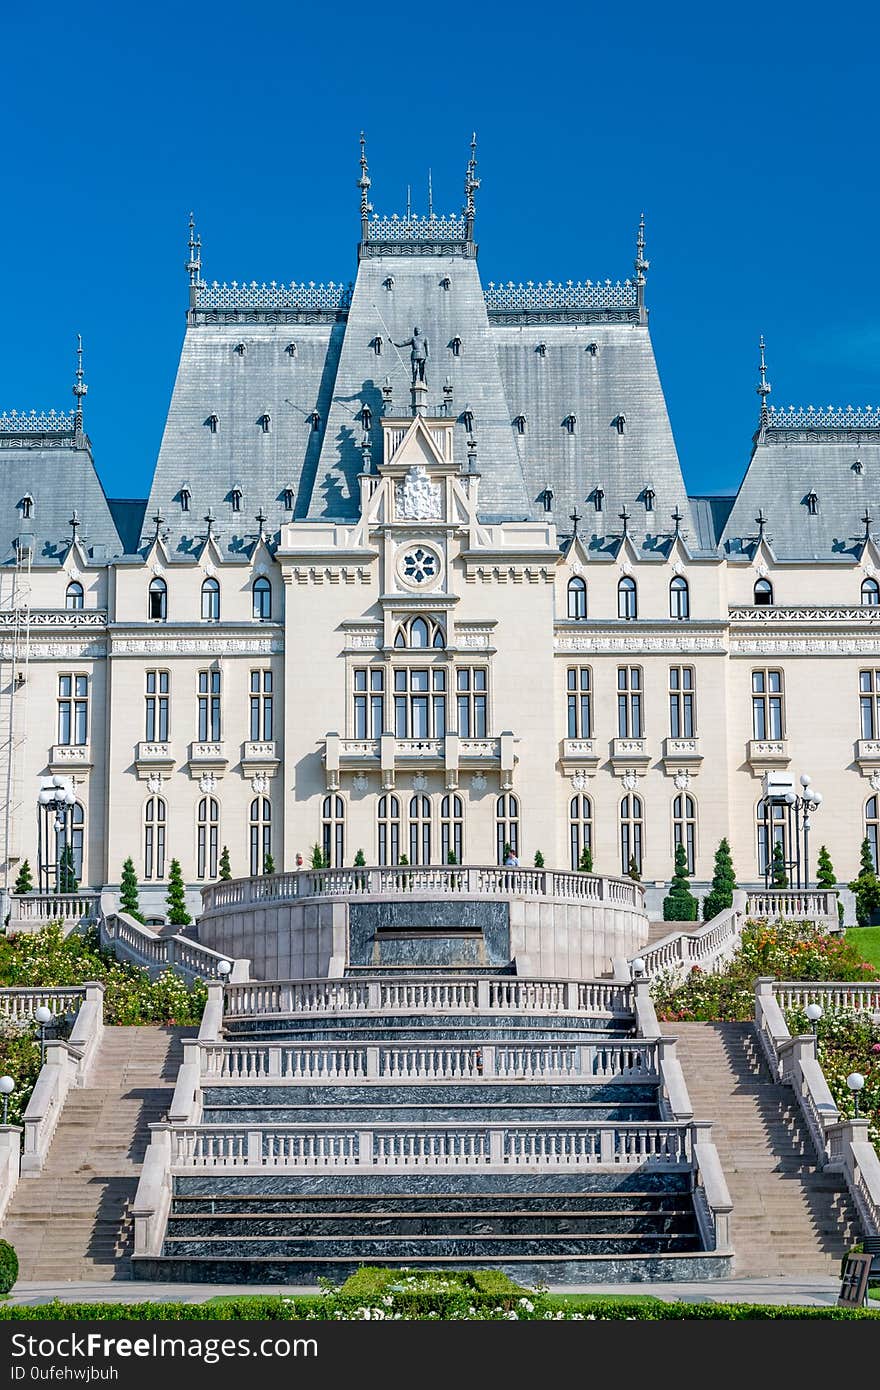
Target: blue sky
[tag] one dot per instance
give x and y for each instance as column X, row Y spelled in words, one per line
column 746, row 134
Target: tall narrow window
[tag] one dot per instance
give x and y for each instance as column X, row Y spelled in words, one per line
column 627, row 604
column 157, row 601
column 154, row 838
column 470, row 699
column 211, row 601
column 681, row 702
column 629, row 702
column 74, row 596
column 419, row 830
column 631, row 833
column 872, row 827
column 388, row 824
column 333, row 831
column 764, row 593
column 580, row 827
column 73, row 709
column 261, row 707
column 679, row 598
column 262, row 594
column 577, row 597
column 260, row 833
column 684, row 827
column 156, row 700
column 368, row 683
column 767, row 708
column 235, row 499
column 452, row 829
column 506, row 825
column 870, row 592
column 76, row 841
column 208, row 832
column 774, row 826
column 420, row 702
column 579, row 697
column 869, row 704
column 210, row 723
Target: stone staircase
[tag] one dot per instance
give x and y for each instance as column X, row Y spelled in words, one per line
column 789, row 1217
column 73, row 1221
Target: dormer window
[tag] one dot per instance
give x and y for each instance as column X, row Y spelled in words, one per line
column 213, row 423
column 812, row 502
column 649, row 496
column 858, row 466
column 570, row 422
column 592, row 349
column 541, row 349
column 27, row 506
column 376, row 344
column 467, row 419
column 547, row 499
column 445, row 283
column 316, row 421
column 265, row 422
column 619, row 422
column 366, row 417
column 388, row 282
column 287, row 498
column 185, row 497
column 240, row 348
column 235, row 498
column 520, row 424
column 455, row 344
column 291, row 349
column 598, row 498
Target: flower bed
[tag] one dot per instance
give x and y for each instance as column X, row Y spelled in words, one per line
column 848, row 1042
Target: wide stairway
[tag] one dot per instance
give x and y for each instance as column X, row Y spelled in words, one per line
column 432, row 1130
column 788, row 1216
column 73, row 1222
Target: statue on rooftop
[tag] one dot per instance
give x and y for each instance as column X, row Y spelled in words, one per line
column 419, row 355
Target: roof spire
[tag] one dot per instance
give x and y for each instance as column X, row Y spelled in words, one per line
column 575, row 518
column 74, row 524
column 79, row 387
column 364, row 185
column 678, row 518
column 866, row 522
column 760, row 522
column 471, row 184
column 624, row 516
column 763, row 387
column 641, row 267
column 194, row 261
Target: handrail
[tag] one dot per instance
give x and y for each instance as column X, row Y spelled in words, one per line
column 133, row 941
column 22, row 1001
column 706, row 946
column 447, row 880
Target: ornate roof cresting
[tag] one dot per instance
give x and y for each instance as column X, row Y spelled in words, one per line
column 829, row 417
column 38, row 422
column 585, row 294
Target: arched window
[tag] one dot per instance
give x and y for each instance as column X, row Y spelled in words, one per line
column 208, row 832
column 154, row 838
column 262, row 592
column 74, row 596
column 506, row 825
column 235, row 498
column 75, row 845
column 452, row 829
column 631, row 833
column 627, row 606
column 577, row 597
column 419, row 830
column 872, row 827
column 333, row 831
column 260, row 833
column 27, row 506
column 420, row 633
column 388, row 820
column 580, row 827
column 772, row 830
column 679, row 598
column 763, row 593
column 157, row 601
column 684, row 827
column 870, row 592
column 211, row 601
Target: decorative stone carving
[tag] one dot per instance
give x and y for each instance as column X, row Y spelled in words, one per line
column 208, row 782
column 417, row 498
column 420, row 782
column 576, row 567
column 154, row 784
column 682, row 779
column 874, row 781
column 259, row 782
column 626, row 570
column 157, row 569
column 210, row 570
column 580, row 780
column 630, row 779
column 761, row 570
column 360, row 784
column 678, row 568
column 479, row 783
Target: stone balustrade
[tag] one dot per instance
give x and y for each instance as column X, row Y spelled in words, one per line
column 341, row 1063
column 708, row 946
column 20, row 1002
column 834, row 996
column 402, row 1147
column 30, row 911
column 453, row 994
column 794, row 905
column 10, row 1164
column 132, row 941
column 67, row 1064
column 446, row 880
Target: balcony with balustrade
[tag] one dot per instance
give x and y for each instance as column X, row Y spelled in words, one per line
column 389, row 755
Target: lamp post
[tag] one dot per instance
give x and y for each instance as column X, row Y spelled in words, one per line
column 224, row 969
column 7, row 1086
column 855, row 1081
column 57, row 795
column 814, row 1012
column 43, row 1017
column 779, row 790
column 638, row 968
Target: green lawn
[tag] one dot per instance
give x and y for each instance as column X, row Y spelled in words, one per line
column 867, row 941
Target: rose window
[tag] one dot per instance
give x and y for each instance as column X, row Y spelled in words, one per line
column 420, row 565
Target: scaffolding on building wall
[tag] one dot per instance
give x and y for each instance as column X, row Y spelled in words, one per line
column 15, row 651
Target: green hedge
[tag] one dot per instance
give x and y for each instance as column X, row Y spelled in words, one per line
column 8, row 1266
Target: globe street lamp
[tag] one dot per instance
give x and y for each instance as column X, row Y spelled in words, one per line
column 855, row 1081
column 814, row 1012
column 224, row 968
column 7, row 1086
column 638, row 968
column 56, row 795
column 43, row 1017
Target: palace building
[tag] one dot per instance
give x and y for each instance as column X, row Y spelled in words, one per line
column 419, row 576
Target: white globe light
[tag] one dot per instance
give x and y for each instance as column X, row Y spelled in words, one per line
column 43, row 1015
column 790, row 798
column 638, row 966
column 814, row 1012
column 855, row 1081
column 805, row 780
column 7, row 1085
column 224, row 967
column 817, row 798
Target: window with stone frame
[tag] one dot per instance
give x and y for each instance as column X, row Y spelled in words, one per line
column 452, row 828
column 209, row 706
column 472, row 701
column 869, row 704
column 388, row 828
column 419, row 829
column 684, row 827
column 260, row 833
column 872, row 827
column 768, row 709
column 632, row 828
column 630, row 714
column 157, row 704
column 207, row 837
column 368, row 702
column 682, row 697
column 155, row 820
column 333, row 831
column 262, row 706
column 506, row 825
column 580, row 828
column 73, row 709
column 420, row 702
column 579, row 702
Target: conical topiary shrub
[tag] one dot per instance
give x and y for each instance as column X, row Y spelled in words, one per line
column 24, row 883
column 176, row 899
column 720, row 895
column 826, row 877
column 866, row 887
column 225, row 869
column 680, row 905
column 128, row 891
column 778, row 871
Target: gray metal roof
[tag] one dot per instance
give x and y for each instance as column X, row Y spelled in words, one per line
column 53, row 466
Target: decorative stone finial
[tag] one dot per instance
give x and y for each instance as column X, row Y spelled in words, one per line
column 624, row 517
column 260, row 519
column 641, row 267
column 574, row 518
column 678, row 518
column 760, row 522
column 364, row 185
column 209, row 521
column 74, row 524
column 194, row 262
column 866, row 522
column 79, row 386
column 471, row 184
column 763, row 387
